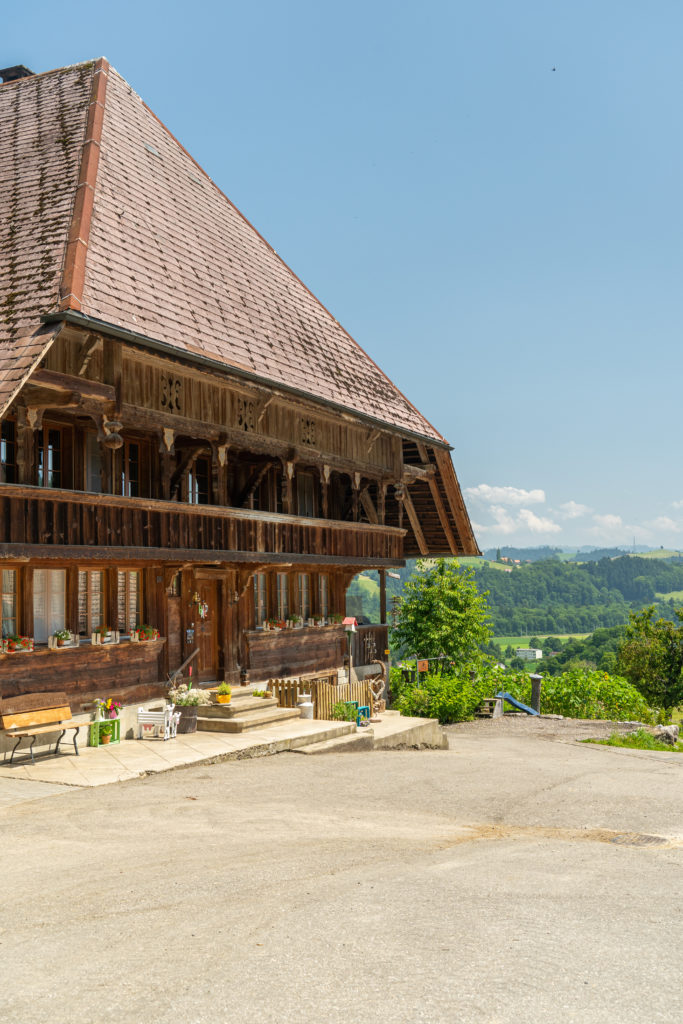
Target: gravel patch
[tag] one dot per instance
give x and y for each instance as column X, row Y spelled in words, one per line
column 545, row 727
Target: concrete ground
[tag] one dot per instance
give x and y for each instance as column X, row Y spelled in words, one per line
column 493, row 882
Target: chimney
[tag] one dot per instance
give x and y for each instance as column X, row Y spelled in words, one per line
column 12, row 74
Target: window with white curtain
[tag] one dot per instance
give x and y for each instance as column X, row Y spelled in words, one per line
column 49, row 603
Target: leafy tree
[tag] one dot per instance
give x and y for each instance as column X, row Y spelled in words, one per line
column 651, row 657
column 442, row 612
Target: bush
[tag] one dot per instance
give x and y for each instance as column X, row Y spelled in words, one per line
column 582, row 693
column 450, row 698
column 343, row 712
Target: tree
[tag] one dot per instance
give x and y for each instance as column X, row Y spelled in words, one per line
column 651, row 657
column 442, row 612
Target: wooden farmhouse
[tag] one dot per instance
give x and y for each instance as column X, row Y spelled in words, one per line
column 190, row 441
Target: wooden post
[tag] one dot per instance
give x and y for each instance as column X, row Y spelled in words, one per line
column 25, row 445
column 383, row 596
column 382, row 502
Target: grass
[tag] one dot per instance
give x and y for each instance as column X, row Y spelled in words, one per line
column 659, row 553
column 477, row 563
column 677, row 595
column 523, row 641
column 641, row 739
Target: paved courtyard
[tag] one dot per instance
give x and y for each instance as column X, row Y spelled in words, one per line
column 494, row 882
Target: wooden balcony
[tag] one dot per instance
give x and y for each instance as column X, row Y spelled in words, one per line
column 38, row 522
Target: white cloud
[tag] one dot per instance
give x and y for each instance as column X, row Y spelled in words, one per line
column 538, row 524
column 574, row 510
column 665, row 523
column 506, row 495
column 608, row 521
column 677, row 504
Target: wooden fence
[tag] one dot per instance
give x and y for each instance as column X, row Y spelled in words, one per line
column 324, row 690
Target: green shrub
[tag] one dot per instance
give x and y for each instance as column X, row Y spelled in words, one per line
column 450, row 698
column 582, row 693
column 343, row 712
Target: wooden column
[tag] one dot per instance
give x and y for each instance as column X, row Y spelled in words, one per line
column 27, row 421
column 325, row 491
column 355, row 484
column 383, row 596
column 382, row 502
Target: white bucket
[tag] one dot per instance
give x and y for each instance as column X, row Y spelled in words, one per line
column 306, row 708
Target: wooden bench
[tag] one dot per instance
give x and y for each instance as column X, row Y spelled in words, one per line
column 36, row 714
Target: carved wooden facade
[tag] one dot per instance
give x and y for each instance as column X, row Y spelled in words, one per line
column 148, row 475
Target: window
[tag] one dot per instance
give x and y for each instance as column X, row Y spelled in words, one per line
column 8, row 453
column 50, row 457
column 198, row 482
column 260, row 601
column 324, row 595
column 49, row 602
column 282, row 595
column 305, row 494
column 304, row 595
column 130, row 472
column 267, row 497
column 8, row 582
column 130, row 600
column 90, row 612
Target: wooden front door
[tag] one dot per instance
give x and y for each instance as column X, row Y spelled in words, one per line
column 206, row 630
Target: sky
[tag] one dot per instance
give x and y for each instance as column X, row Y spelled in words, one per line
column 486, row 195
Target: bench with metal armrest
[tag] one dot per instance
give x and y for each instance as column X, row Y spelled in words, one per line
column 37, row 714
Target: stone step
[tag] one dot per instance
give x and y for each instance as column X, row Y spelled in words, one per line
column 361, row 740
column 271, row 716
column 241, row 705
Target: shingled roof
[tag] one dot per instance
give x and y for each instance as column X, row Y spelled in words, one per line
column 154, row 247
column 104, row 214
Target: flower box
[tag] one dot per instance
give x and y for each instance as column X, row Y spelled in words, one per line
column 18, row 645
column 62, row 645
column 144, row 634
column 112, row 636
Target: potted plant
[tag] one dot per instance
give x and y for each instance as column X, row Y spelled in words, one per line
column 106, row 732
column 224, row 693
column 188, row 701
column 62, row 636
column 296, row 621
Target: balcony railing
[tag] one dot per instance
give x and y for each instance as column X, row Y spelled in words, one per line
column 50, row 519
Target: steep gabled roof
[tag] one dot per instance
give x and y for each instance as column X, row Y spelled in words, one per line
column 154, row 247
column 104, row 215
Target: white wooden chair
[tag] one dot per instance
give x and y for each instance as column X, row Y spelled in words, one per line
column 161, row 720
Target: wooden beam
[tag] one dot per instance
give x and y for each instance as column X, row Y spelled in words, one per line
column 56, row 553
column 368, row 506
column 415, row 523
column 88, row 349
column 253, row 482
column 79, row 385
column 438, row 502
column 412, row 472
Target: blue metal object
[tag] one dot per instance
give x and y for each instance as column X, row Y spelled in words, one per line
column 516, row 703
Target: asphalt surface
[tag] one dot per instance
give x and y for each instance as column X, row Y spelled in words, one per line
column 494, row 882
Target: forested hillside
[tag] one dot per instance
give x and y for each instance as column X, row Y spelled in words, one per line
column 551, row 597
column 566, row 597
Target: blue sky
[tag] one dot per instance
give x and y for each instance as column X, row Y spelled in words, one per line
column 503, row 238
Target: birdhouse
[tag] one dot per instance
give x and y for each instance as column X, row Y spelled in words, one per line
column 349, row 624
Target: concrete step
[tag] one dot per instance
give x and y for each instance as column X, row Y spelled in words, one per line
column 241, row 705
column 349, row 743
column 240, row 723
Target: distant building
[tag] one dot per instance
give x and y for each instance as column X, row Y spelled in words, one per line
column 528, row 653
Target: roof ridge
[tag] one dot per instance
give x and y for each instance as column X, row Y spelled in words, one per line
column 73, row 272
column 52, row 71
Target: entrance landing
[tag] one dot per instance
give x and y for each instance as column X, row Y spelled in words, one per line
column 132, row 759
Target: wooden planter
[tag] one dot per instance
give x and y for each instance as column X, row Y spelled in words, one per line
column 188, row 717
